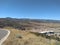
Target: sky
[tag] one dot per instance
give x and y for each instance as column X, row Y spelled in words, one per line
column 34, row 9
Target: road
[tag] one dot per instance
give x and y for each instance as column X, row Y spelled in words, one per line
column 3, row 35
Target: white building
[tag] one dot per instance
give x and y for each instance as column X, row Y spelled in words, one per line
column 49, row 33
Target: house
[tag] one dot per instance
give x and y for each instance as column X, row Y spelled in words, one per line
column 49, row 33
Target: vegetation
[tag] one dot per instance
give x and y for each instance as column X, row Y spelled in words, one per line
column 21, row 35
column 27, row 38
column 28, row 24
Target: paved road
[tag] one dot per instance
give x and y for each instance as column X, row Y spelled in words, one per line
column 3, row 33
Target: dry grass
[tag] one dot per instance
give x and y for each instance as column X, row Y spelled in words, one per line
column 27, row 38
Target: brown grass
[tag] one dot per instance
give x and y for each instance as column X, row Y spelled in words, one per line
column 27, row 38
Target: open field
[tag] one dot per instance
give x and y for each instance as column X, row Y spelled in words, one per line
column 20, row 31
column 19, row 37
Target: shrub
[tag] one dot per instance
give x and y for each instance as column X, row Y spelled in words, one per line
column 18, row 36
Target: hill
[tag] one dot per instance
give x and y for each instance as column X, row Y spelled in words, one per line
column 21, row 34
column 27, row 23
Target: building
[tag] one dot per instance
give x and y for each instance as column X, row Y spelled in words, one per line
column 49, row 33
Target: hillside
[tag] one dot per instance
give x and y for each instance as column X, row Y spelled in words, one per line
column 21, row 31
column 27, row 23
column 19, row 37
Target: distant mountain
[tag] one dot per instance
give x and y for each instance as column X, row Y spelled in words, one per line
column 23, row 23
column 33, row 20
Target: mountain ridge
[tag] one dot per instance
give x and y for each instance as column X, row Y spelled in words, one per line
column 26, row 23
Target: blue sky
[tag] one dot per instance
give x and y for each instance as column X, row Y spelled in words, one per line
column 35, row 9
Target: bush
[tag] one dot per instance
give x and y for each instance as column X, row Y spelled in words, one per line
column 18, row 36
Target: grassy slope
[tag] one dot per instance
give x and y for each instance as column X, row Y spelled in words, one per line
column 27, row 38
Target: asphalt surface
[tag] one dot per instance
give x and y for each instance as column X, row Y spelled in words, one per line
column 3, row 33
